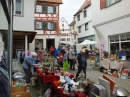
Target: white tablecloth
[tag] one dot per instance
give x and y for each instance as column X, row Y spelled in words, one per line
column 107, row 64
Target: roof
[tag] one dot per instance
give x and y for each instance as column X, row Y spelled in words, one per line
column 73, row 22
column 84, row 5
column 52, row 1
column 63, row 19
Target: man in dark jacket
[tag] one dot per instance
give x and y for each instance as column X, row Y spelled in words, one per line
column 81, row 63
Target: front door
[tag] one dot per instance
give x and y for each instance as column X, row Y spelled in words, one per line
column 49, row 43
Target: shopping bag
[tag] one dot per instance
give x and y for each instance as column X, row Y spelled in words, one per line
column 66, row 65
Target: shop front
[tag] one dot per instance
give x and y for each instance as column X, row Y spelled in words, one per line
column 21, row 40
column 118, row 42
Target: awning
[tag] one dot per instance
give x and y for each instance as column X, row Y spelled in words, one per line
column 20, row 35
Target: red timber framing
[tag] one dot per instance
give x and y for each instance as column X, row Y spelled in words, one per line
column 45, row 17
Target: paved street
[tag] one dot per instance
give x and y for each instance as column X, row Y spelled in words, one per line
column 93, row 76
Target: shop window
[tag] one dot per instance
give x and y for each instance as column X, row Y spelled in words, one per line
column 39, row 43
column 123, row 37
column 39, row 8
column 38, row 25
column 117, row 38
column 112, row 39
column 128, row 36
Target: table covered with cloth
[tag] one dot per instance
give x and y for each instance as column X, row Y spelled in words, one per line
column 49, row 78
column 108, row 64
column 55, row 90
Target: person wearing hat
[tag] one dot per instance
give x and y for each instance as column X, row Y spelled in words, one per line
column 29, row 61
column 81, row 63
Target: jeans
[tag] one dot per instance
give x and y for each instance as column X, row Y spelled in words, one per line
column 72, row 64
column 28, row 75
column 79, row 71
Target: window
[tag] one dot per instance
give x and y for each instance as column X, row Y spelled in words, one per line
column 78, row 18
column 50, row 9
column 128, row 36
column 112, row 39
column 110, row 2
column 62, row 21
column 18, row 7
column 123, row 37
column 74, row 37
column 79, row 29
column 63, row 29
column 39, row 43
column 85, row 13
column 50, row 26
column 73, row 27
column 86, row 26
column 38, row 25
column 39, row 8
column 68, row 39
column 45, row 25
column 117, row 38
column 62, row 25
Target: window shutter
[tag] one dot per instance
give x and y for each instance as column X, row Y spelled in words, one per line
column 54, row 10
column 102, row 4
column 54, row 26
column 44, row 8
column 44, row 25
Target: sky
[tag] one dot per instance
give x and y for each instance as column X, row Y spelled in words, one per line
column 69, row 8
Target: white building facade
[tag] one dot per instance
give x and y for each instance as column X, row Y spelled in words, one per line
column 84, row 27
column 23, row 24
column 74, row 34
column 111, row 20
column 65, row 36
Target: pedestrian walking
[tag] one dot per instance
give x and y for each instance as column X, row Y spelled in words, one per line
column 81, row 63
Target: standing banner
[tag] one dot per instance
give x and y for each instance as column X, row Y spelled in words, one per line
column 102, row 48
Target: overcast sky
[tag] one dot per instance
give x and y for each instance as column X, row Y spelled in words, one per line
column 69, row 8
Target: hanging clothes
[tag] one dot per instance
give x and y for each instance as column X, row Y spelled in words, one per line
column 18, row 56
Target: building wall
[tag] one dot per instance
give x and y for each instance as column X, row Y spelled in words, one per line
column 65, row 27
column 119, row 9
column 25, row 22
column 3, row 20
column 20, row 23
column 112, row 20
column 88, row 19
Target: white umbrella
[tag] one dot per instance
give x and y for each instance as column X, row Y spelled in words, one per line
column 86, row 42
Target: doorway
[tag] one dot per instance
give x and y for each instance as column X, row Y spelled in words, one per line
column 49, row 43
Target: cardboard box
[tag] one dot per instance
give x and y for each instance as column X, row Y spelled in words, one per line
column 20, row 91
column 21, row 94
column 16, row 89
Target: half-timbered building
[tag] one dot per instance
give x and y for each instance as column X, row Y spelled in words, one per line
column 46, row 24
